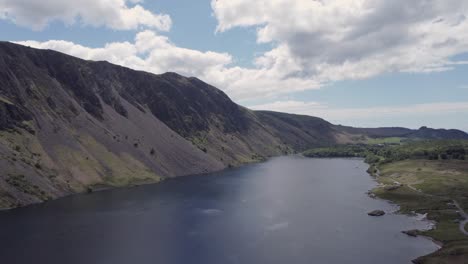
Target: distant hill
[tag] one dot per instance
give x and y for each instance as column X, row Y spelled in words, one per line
column 423, row 132
column 299, row 132
column 430, row 133
column 68, row 125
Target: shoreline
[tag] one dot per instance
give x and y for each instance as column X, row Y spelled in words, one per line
column 101, row 187
column 375, row 172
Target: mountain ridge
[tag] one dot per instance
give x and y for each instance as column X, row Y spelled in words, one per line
column 69, row 125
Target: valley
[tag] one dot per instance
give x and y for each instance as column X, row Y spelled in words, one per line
column 71, row 126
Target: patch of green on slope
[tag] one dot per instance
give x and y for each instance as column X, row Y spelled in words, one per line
column 94, row 164
column 386, row 140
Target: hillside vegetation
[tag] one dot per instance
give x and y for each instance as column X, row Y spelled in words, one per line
column 68, row 125
column 381, row 153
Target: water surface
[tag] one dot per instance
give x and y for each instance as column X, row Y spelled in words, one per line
column 286, row 210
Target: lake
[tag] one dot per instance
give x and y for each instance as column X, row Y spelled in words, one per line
column 286, row 210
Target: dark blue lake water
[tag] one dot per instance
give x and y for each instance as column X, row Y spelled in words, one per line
column 287, row 210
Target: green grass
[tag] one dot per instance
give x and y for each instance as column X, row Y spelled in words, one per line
column 100, row 166
column 443, row 178
column 451, row 253
column 21, row 184
column 387, row 140
column 437, row 182
column 445, row 232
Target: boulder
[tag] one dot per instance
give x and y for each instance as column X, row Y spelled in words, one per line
column 376, row 213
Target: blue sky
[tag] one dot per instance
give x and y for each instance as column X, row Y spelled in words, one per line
column 193, row 26
column 360, row 68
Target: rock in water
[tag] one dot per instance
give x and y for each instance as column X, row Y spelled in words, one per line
column 376, row 213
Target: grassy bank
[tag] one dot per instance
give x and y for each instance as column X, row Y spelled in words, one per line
column 422, row 177
column 429, row 186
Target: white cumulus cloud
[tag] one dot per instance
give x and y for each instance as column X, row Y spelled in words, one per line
column 149, row 52
column 155, row 53
column 330, row 40
column 114, row 14
column 314, row 42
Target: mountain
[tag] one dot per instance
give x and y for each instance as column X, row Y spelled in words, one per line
column 300, row 132
column 68, row 125
column 430, row 133
column 422, row 133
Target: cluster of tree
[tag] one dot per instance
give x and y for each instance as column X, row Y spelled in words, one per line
column 371, row 153
column 427, row 149
column 345, row 151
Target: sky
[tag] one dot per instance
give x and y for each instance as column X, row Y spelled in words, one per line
column 366, row 63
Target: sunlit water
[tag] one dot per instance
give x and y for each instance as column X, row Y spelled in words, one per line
column 287, row 210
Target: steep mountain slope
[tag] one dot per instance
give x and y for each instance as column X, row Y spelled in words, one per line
column 300, row 132
column 63, row 128
column 68, row 125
